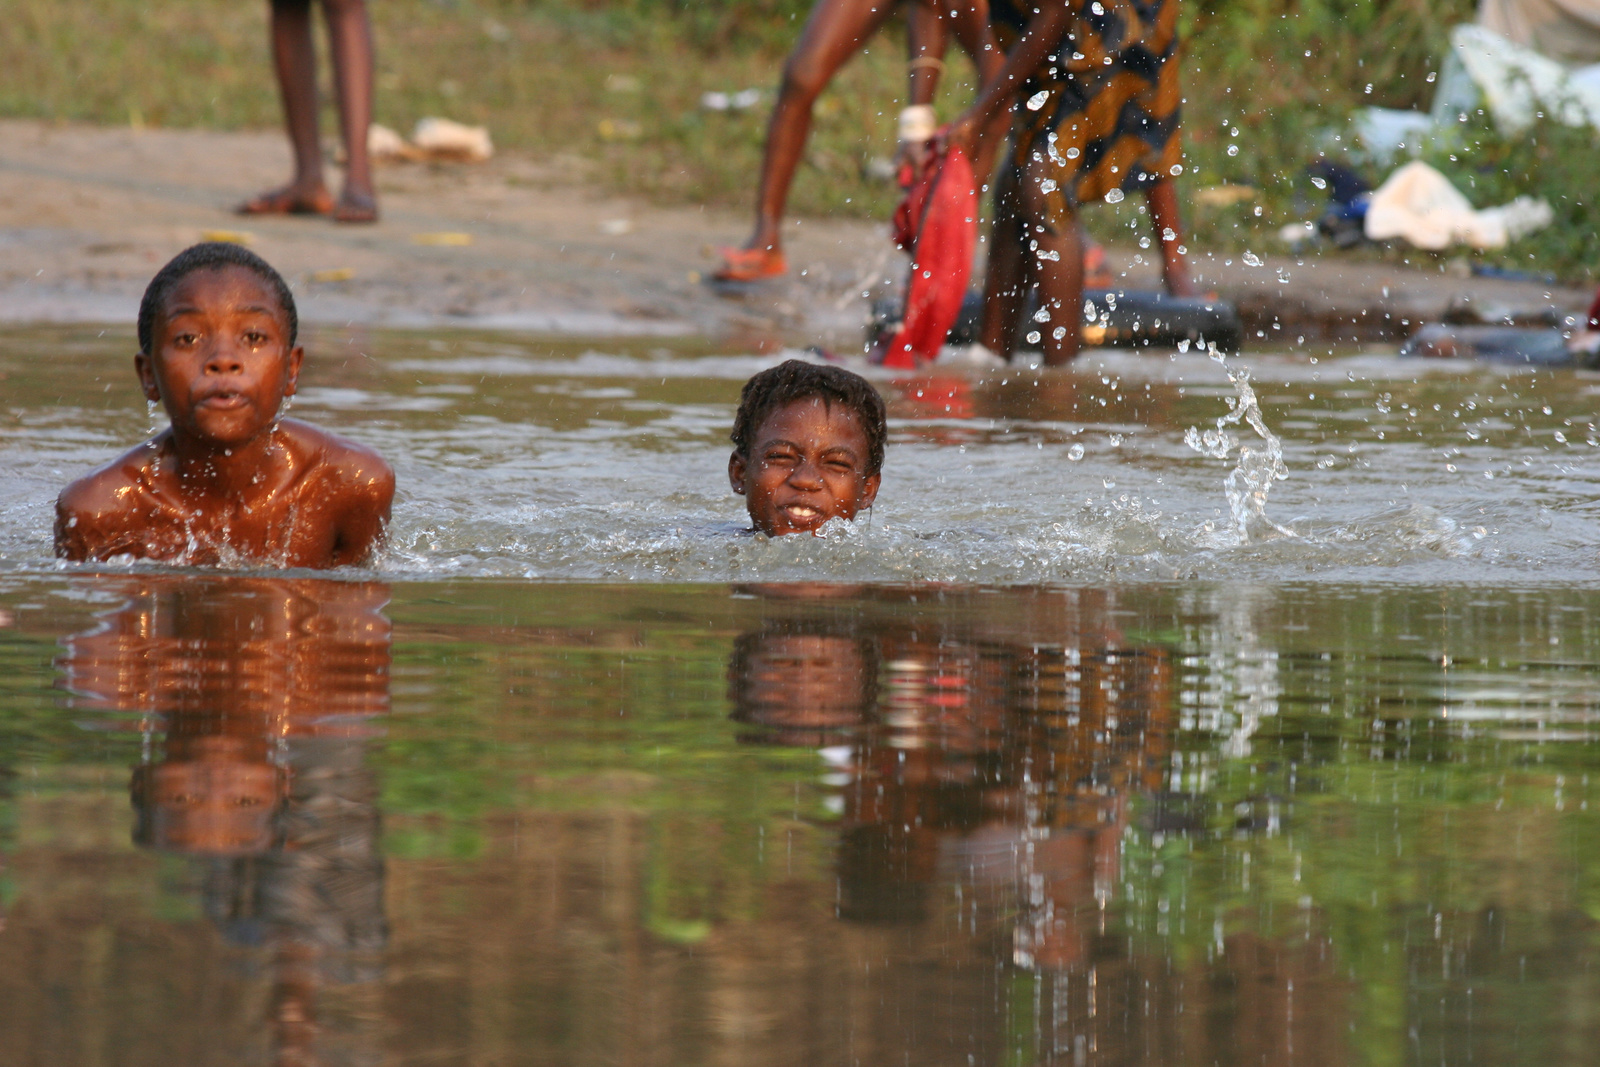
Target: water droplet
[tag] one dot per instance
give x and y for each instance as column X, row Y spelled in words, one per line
column 1034, row 337
column 1252, row 259
column 1233, row 150
column 1075, row 453
column 1037, row 100
column 1114, row 196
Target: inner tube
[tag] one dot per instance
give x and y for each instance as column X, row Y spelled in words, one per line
column 1118, row 318
column 1517, row 345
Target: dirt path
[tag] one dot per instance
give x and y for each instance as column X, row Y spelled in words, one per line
column 87, row 214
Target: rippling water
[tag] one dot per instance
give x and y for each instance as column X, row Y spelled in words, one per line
column 1097, row 744
column 562, row 460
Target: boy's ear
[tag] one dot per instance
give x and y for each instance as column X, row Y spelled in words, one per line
column 297, row 355
column 144, row 367
column 736, row 471
column 869, row 490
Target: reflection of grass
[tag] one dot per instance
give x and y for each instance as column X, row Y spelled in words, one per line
column 618, row 83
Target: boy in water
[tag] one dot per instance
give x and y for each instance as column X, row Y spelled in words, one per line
column 230, row 479
column 807, row 447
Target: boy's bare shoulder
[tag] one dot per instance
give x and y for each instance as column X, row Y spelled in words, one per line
column 105, row 490
column 339, row 462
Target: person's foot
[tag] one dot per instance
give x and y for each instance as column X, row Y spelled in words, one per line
column 750, row 264
column 289, row 200
column 356, row 207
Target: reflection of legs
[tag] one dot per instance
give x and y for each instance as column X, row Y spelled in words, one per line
column 295, row 60
column 1163, row 199
column 350, row 42
column 1005, row 285
column 833, row 33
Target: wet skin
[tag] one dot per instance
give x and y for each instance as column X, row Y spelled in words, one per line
column 807, row 464
column 229, row 480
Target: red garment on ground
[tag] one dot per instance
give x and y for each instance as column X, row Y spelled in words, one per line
column 937, row 223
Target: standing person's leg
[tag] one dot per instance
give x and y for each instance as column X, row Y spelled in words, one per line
column 1163, row 200
column 350, row 41
column 1057, row 265
column 295, row 61
column 969, row 21
column 1007, row 281
column 833, row 33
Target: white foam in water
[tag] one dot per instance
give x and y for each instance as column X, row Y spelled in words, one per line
column 516, row 460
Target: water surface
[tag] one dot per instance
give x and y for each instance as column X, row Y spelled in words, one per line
column 1060, row 757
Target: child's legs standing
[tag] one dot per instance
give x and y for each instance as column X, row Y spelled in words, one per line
column 350, row 42
column 295, row 60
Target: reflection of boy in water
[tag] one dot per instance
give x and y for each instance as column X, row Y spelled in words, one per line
column 1003, row 764
column 263, row 689
column 806, row 685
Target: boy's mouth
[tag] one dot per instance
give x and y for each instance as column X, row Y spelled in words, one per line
column 225, row 401
column 802, row 514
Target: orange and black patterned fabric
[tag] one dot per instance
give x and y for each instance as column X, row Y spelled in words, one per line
column 1100, row 115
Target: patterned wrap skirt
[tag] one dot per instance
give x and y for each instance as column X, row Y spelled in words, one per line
column 1101, row 112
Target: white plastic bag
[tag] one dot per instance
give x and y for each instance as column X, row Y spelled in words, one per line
column 1419, row 204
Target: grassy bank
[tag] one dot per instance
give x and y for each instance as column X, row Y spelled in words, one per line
column 619, row 83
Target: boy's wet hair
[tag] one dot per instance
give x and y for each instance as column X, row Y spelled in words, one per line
column 210, row 255
column 795, row 379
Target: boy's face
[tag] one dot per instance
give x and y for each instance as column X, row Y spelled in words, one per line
column 220, row 361
column 807, row 464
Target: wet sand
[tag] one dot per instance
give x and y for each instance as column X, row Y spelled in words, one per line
column 87, row 214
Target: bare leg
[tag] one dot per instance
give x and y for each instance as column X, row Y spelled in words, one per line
column 350, row 41
column 295, row 61
column 835, row 31
column 1006, row 282
column 1058, row 266
column 925, row 39
column 1163, row 199
column 970, row 24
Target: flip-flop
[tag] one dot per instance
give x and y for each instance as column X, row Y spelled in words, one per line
column 1096, row 271
column 355, row 210
column 750, row 264
column 285, row 202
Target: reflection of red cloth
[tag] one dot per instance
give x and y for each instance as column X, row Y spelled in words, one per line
column 938, row 223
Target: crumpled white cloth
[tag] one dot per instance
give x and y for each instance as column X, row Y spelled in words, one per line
column 1419, row 204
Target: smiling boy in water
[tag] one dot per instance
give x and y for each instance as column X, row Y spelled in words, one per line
column 807, row 447
column 231, row 479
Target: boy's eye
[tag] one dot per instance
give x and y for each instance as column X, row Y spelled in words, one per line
column 780, row 457
column 255, row 338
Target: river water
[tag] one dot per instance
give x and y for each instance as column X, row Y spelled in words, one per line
column 1090, row 746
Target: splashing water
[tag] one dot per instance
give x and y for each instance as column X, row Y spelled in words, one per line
column 1247, row 485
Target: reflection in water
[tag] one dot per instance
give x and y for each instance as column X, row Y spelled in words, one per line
column 263, row 693
column 987, row 776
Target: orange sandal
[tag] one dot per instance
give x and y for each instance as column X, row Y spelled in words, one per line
column 750, row 264
column 1096, row 271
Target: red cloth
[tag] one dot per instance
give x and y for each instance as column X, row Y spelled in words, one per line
column 938, row 224
column 1594, row 312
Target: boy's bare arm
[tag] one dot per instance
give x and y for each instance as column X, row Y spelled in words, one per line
column 90, row 515
column 366, row 493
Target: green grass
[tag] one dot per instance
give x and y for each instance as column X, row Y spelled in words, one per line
column 617, row 83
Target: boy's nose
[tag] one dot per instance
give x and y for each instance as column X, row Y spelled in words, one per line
column 224, row 359
column 806, row 474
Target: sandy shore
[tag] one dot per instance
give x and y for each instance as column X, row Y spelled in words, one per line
column 87, row 214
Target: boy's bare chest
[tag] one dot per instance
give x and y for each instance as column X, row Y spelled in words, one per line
column 285, row 527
